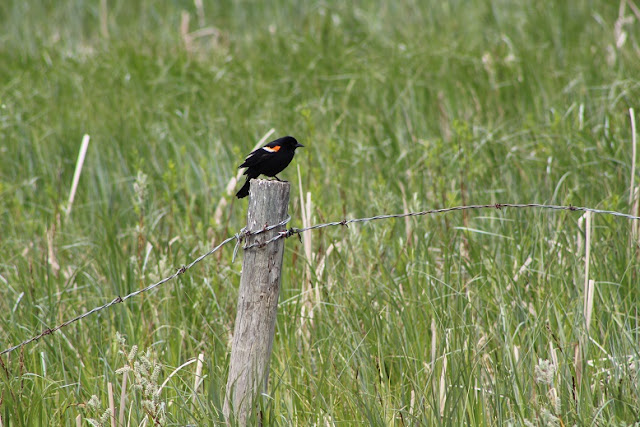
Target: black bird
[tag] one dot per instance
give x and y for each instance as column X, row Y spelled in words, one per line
column 269, row 160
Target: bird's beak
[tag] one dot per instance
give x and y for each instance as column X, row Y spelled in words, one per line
column 299, row 145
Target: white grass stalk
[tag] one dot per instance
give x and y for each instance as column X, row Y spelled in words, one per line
column 589, row 286
column 112, row 405
column 634, row 9
column 231, row 185
column 635, row 210
column 412, row 402
column 175, row 371
column 123, row 398
column 633, row 155
column 198, row 378
column 587, row 248
column 633, row 190
column 43, row 362
column 443, row 386
column 554, row 355
column 577, row 356
column 200, row 11
column 76, row 176
column 305, row 210
column 581, row 116
column 588, row 303
column 580, row 229
column 184, row 31
column 104, row 16
column 78, row 421
column 433, row 343
column 577, row 360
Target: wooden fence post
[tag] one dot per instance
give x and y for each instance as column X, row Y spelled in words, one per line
column 257, row 301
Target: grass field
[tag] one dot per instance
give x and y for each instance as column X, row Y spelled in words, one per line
column 456, row 319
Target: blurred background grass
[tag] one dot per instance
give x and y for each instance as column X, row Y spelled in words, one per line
column 413, row 105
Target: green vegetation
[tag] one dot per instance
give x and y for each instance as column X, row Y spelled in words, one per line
column 440, row 320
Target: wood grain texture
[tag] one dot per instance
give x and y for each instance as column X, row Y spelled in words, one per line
column 257, row 301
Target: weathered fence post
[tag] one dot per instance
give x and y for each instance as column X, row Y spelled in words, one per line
column 257, row 301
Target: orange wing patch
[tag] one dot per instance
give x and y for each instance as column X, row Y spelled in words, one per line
column 272, row 149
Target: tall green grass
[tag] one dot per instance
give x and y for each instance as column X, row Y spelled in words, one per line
column 440, row 320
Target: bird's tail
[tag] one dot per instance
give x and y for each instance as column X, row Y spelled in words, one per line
column 244, row 191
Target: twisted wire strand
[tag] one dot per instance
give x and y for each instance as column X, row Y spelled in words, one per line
column 294, row 231
column 242, row 234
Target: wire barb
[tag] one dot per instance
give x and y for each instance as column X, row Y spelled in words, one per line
column 278, row 236
column 242, row 234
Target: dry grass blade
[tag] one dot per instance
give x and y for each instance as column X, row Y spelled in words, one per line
column 632, row 117
column 588, row 303
column 198, row 377
column 123, row 398
column 76, row 175
column 443, row 381
column 112, row 405
column 104, row 19
column 175, row 371
column 587, row 245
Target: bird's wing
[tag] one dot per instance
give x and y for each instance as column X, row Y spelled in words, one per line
column 257, row 156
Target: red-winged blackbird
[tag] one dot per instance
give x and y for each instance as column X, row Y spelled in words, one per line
column 269, row 160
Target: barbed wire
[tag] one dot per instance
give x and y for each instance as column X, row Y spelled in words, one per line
column 117, row 300
column 242, row 234
column 295, row 231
